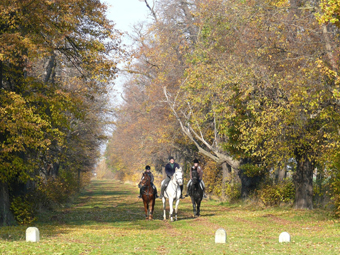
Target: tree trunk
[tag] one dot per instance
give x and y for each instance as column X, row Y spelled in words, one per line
column 281, row 174
column 225, row 177
column 319, row 197
column 6, row 216
column 55, row 169
column 79, row 180
column 329, row 49
column 303, row 180
column 0, row 74
column 50, row 66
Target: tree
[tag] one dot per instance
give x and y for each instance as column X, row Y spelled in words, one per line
column 251, row 85
column 144, row 125
column 56, row 62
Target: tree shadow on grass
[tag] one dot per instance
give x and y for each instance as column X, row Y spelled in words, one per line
column 107, row 204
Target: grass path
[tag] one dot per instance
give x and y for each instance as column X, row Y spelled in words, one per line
column 109, row 219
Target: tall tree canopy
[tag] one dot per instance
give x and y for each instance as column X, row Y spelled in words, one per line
column 57, row 59
column 241, row 82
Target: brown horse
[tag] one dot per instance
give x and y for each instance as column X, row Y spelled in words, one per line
column 148, row 195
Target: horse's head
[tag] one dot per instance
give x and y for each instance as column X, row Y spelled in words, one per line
column 146, row 179
column 194, row 175
column 178, row 176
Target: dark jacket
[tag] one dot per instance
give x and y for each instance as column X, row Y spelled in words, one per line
column 199, row 171
column 150, row 174
column 169, row 170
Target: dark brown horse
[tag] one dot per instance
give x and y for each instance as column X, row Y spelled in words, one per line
column 148, row 195
column 196, row 193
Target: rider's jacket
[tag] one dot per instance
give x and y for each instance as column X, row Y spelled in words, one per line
column 150, row 174
column 199, row 171
column 169, row 170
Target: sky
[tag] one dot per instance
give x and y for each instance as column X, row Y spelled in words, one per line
column 125, row 13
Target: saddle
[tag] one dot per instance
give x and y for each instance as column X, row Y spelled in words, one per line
column 145, row 192
column 142, row 186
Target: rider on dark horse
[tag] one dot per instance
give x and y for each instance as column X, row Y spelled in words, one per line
column 199, row 170
column 147, row 170
column 170, row 170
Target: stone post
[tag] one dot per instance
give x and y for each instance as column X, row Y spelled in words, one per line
column 32, row 234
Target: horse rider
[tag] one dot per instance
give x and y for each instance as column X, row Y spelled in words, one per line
column 147, row 170
column 200, row 176
column 170, row 170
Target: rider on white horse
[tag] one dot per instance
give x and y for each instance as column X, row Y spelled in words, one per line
column 170, row 170
column 200, row 175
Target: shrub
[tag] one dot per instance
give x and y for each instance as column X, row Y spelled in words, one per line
column 233, row 191
column 22, row 210
column 335, row 188
column 332, row 173
column 212, row 178
column 271, row 195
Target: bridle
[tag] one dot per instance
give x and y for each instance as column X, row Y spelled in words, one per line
column 178, row 180
column 146, row 179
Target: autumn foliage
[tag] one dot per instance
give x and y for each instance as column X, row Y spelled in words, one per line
column 252, row 86
column 57, row 59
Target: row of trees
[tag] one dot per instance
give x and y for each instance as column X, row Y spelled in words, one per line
column 250, row 85
column 57, row 59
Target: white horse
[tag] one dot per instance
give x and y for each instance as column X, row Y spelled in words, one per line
column 173, row 192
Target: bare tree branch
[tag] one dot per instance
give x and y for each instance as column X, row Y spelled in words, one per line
column 151, row 9
column 214, row 154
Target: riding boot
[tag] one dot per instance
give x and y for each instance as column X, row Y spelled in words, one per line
column 188, row 191
column 204, row 195
column 162, row 191
column 140, row 192
column 155, row 190
column 181, row 187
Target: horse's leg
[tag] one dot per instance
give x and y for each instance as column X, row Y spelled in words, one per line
column 193, row 206
column 198, row 207
column 171, row 201
column 152, row 204
column 145, row 207
column 199, row 201
column 178, row 195
column 164, row 208
column 148, row 207
column 176, row 208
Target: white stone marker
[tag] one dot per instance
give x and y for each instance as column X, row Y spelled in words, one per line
column 220, row 236
column 284, row 237
column 32, row 234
